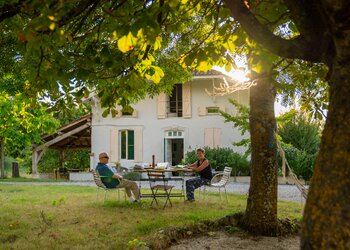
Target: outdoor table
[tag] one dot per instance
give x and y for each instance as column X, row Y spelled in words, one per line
column 163, row 171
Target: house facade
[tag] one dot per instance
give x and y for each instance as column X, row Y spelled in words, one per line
column 166, row 127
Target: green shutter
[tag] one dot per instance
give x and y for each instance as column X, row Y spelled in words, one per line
column 131, row 150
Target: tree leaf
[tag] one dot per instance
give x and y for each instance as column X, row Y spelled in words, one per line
column 127, row 43
column 52, row 26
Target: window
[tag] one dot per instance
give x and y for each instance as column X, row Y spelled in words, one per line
column 213, row 110
column 174, row 134
column 124, row 113
column 175, row 101
column 178, row 104
column 127, row 147
column 127, row 111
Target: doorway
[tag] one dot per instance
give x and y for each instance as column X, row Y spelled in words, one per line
column 173, row 150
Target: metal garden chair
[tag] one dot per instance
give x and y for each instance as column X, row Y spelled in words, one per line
column 159, row 187
column 100, row 185
column 220, row 181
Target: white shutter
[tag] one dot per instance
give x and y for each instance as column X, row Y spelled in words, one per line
column 186, row 100
column 216, row 137
column 202, row 111
column 114, row 146
column 208, row 137
column 161, row 106
column 138, row 144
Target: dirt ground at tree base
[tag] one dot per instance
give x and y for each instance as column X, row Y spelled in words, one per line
column 222, row 240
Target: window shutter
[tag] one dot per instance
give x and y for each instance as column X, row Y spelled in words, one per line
column 186, row 100
column 161, row 106
column 138, row 143
column 202, row 111
column 114, row 146
column 217, row 137
column 208, row 137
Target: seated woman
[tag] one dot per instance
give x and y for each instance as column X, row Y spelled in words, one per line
column 112, row 180
column 202, row 167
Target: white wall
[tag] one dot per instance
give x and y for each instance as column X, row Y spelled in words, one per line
column 153, row 128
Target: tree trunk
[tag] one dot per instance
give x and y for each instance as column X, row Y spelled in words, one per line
column 261, row 213
column 326, row 223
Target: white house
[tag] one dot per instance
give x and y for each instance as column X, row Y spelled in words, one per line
column 167, row 126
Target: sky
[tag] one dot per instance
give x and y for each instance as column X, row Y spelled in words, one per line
column 241, row 75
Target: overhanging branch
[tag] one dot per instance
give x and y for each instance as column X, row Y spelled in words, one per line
column 301, row 47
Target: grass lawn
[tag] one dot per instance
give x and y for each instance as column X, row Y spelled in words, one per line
column 30, row 179
column 68, row 217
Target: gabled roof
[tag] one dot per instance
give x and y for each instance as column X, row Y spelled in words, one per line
column 76, row 134
column 211, row 72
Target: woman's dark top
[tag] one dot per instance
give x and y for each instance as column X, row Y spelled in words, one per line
column 205, row 173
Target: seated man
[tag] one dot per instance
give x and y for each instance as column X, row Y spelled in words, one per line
column 112, row 180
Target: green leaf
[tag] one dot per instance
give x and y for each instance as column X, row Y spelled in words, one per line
column 106, row 112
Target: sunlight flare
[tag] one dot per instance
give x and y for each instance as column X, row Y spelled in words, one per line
column 233, row 81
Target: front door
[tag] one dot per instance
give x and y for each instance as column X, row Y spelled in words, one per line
column 174, row 150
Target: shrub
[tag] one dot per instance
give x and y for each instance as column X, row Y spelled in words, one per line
column 220, row 158
column 132, row 176
column 49, row 161
column 77, row 159
column 301, row 132
column 301, row 141
column 301, row 162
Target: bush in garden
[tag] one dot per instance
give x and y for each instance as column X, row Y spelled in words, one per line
column 220, row 158
column 301, row 141
column 301, row 162
column 77, row 159
column 301, row 132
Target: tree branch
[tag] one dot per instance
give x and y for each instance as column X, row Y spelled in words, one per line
column 80, row 8
column 206, row 36
column 10, row 10
column 305, row 46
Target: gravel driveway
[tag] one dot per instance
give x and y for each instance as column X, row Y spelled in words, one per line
column 287, row 192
